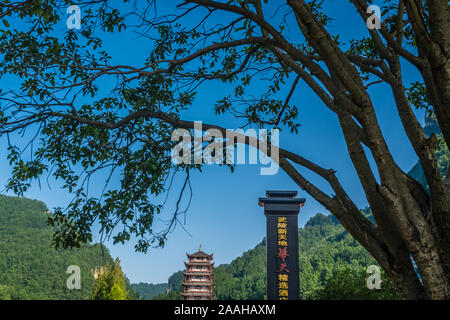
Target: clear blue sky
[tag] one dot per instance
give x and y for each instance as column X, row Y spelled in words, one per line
column 224, row 215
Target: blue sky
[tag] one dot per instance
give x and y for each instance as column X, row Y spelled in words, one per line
column 224, row 215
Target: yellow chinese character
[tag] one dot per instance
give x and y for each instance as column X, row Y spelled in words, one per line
column 282, row 231
column 282, row 225
column 282, row 237
column 283, row 277
column 283, row 293
column 282, row 243
column 282, row 219
column 282, row 285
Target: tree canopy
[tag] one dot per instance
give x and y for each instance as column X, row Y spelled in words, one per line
column 111, row 283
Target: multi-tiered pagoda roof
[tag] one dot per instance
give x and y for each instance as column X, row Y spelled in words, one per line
column 199, row 277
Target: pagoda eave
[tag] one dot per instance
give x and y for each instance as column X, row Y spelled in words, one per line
column 198, row 283
column 197, row 274
column 206, row 263
column 195, row 294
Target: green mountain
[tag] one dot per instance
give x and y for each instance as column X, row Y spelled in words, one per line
column 148, row 291
column 29, row 267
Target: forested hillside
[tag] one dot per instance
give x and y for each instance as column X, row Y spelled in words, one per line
column 148, row 291
column 29, row 267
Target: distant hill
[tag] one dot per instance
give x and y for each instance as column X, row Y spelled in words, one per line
column 148, row 291
column 29, row 267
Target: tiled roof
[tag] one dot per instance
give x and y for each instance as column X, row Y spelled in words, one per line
column 206, row 263
column 199, row 254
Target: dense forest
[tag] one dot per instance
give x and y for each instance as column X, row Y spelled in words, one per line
column 29, row 267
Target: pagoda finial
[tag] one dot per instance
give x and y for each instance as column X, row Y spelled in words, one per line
column 200, row 247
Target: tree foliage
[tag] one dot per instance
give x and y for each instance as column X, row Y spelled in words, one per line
column 171, row 295
column 111, row 283
column 350, row 284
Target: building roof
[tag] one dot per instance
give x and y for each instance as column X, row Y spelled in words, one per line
column 206, row 263
column 199, row 254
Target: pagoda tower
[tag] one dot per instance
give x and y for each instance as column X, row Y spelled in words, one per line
column 199, row 276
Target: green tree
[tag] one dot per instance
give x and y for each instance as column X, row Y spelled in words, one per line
column 5, row 292
column 239, row 43
column 110, row 283
column 117, row 293
column 350, row 284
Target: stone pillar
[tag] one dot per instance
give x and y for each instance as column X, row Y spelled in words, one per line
column 281, row 209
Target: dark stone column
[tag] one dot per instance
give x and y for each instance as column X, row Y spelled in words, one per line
column 281, row 209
